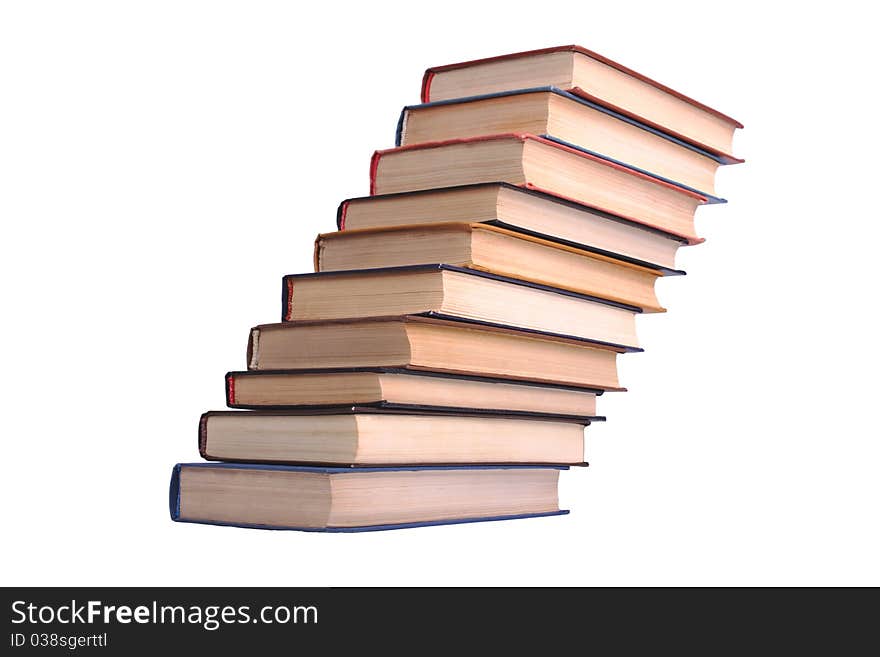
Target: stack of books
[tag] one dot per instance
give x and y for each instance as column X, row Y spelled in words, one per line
column 442, row 362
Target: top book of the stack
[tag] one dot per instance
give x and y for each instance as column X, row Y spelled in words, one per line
column 593, row 77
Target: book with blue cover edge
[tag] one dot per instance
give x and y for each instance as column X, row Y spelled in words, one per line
column 174, row 495
column 721, row 159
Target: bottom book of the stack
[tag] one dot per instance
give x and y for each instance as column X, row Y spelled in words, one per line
column 359, row 499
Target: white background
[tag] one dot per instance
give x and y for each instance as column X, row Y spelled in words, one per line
column 163, row 164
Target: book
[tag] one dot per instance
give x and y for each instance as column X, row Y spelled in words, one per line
column 542, row 164
column 405, row 389
column 424, row 343
column 558, row 115
column 450, row 292
column 520, row 210
column 496, row 251
column 591, row 76
column 360, row 499
column 361, row 436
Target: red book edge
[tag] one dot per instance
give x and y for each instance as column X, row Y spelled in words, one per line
column 429, row 75
column 230, row 389
column 288, row 300
column 343, row 211
column 203, row 436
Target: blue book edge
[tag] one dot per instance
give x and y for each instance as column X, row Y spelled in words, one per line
column 174, row 496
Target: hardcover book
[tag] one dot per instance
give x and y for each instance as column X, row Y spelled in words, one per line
column 424, row 343
column 594, row 77
column 363, row 436
column 364, row 499
column 521, row 210
column 405, row 389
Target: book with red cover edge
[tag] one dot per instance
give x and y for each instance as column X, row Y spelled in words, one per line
column 577, row 91
column 523, row 137
column 231, row 402
column 360, row 409
column 377, row 155
column 342, row 210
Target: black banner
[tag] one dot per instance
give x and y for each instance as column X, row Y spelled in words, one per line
column 241, row 620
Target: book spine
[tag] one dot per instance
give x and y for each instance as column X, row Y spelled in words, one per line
column 174, row 493
column 316, row 253
column 287, row 299
column 252, row 348
column 203, row 436
column 401, row 126
column 341, row 211
column 230, row 389
column 374, row 167
column 427, row 79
